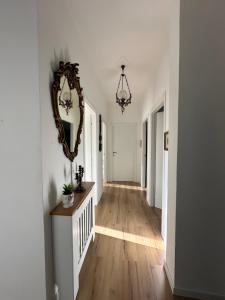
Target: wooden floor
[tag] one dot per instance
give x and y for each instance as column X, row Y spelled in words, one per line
column 125, row 262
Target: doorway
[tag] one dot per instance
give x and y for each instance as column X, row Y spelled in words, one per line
column 157, row 153
column 158, row 188
column 124, row 152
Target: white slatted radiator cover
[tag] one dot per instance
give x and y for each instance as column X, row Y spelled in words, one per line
column 73, row 230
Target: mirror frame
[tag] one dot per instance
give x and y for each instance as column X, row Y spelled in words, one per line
column 70, row 71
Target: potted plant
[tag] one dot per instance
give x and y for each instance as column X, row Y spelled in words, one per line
column 67, row 196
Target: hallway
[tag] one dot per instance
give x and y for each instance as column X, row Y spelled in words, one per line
column 126, row 259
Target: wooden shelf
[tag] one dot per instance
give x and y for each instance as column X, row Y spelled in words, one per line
column 59, row 210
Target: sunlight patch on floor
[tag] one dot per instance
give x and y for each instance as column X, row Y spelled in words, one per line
column 125, row 186
column 129, row 237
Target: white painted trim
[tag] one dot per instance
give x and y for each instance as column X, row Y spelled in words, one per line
column 94, row 146
column 197, row 294
column 152, row 146
column 170, row 278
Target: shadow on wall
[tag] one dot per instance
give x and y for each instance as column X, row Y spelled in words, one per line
column 54, row 64
column 52, row 192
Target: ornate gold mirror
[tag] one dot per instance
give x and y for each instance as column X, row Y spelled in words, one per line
column 68, row 107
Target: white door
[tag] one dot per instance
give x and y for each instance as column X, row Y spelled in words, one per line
column 124, row 137
column 159, row 160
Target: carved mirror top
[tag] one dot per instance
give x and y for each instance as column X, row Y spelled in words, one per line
column 68, row 107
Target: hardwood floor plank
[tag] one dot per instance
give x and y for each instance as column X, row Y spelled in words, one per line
column 125, row 262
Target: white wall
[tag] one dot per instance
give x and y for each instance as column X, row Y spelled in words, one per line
column 158, row 94
column 164, row 89
column 200, row 222
column 172, row 109
column 195, row 198
column 131, row 115
column 161, row 83
column 22, row 273
column 58, row 41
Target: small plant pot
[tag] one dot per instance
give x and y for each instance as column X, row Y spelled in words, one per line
column 67, row 200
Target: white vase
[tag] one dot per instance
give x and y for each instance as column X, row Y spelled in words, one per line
column 67, row 200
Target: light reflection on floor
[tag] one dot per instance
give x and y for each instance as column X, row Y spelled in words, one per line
column 129, row 237
column 124, row 186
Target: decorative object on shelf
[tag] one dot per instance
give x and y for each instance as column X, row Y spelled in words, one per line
column 68, row 195
column 100, row 133
column 166, row 140
column 79, row 175
column 68, row 107
column 123, row 94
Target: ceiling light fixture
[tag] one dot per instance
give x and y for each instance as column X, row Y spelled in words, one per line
column 123, row 94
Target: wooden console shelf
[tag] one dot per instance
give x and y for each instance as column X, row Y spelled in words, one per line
column 79, row 198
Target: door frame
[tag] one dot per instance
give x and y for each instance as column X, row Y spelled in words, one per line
column 153, row 150
column 94, row 147
column 145, row 146
column 152, row 180
column 104, row 152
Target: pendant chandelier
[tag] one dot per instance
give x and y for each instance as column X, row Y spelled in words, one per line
column 123, row 94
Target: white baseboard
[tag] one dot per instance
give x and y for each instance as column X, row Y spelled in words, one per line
column 170, row 279
column 190, row 293
column 197, row 294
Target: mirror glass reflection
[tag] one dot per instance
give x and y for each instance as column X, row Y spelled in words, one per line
column 69, row 111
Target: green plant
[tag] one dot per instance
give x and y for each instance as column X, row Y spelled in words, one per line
column 67, row 189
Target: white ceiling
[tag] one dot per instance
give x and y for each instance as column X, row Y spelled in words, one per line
column 113, row 32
